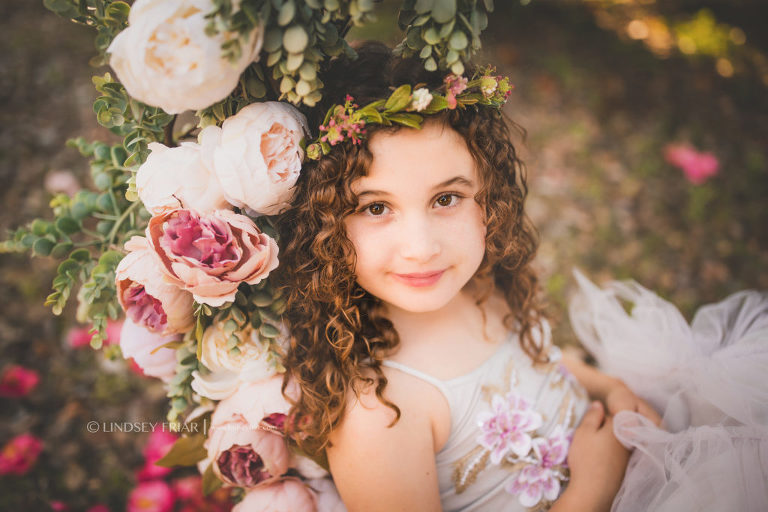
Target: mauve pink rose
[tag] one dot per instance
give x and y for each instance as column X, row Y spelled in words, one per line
column 146, row 296
column 152, row 496
column 287, row 495
column 245, row 444
column 259, row 157
column 18, row 381
column 211, row 254
column 20, row 454
column 158, row 445
column 138, row 343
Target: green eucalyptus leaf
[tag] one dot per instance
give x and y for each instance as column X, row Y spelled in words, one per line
column 458, row 40
column 444, row 10
column 295, row 39
column 287, row 13
column 61, row 249
column 431, row 36
column 43, row 246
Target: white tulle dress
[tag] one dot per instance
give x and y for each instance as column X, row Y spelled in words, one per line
column 708, row 380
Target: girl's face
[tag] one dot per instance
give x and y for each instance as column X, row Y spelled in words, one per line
column 418, row 233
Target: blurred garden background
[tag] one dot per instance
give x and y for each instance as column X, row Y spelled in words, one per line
column 647, row 157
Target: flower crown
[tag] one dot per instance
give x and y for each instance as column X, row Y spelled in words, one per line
column 407, row 106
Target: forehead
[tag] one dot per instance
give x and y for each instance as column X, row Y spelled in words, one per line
column 409, row 160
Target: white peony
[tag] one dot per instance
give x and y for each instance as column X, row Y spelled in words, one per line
column 181, row 177
column 165, row 59
column 228, row 370
column 258, row 159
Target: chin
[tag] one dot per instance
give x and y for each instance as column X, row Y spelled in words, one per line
column 416, row 302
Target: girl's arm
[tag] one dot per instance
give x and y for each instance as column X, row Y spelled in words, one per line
column 380, row 468
column 597, row 461
column 611, row 391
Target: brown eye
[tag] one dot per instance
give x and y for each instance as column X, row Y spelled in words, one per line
column 375, row 209
column 446, row 199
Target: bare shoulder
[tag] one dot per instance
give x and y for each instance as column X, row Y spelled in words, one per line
column 381, row 464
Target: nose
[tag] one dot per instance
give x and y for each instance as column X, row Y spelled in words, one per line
column 419, row 238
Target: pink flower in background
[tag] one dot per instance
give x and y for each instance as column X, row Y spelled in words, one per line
column 58, row 506
column 99, row 507
column 18, row 381
column 79, row 337
column 287, row 495
column 157, row 446
column 508, row 428
column 20, row 454
column 210, row 255
column 152, row 496
column 697, row 166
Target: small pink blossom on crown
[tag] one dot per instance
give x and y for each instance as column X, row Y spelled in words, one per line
column 454, row 85
column 343, row 124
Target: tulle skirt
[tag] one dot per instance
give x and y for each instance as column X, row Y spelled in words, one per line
column 708, row 380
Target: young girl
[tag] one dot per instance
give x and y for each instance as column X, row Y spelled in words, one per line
column 425, row 363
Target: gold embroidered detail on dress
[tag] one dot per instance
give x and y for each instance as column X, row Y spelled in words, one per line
column 466, row 469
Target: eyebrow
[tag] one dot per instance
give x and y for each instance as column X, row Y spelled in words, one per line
column 456, row 180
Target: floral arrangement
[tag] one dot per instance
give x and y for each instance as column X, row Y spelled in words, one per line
column 177, row 234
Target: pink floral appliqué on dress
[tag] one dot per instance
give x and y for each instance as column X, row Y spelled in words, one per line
column 542, row 480
column 507, row 429
column 509, row 434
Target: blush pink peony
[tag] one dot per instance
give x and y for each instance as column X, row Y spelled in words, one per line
column 142, row 346
column 146, row 297
column 286, row 495
column 210, row 255
column 20, row 454
column 181, row 177
column 259, row 157
column 17, row 381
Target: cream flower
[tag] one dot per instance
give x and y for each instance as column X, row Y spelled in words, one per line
column 249, row 363
column 210, row 255
column 143, row 346
column 421, row 99
column 165, row 59
column 259, row 157
column 181, row 177
column 147, row 299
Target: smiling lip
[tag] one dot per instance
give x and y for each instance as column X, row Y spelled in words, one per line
column 421, row 278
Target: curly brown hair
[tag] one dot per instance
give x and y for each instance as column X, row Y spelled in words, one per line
column 339, row 335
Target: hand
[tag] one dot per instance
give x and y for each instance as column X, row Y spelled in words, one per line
column 597, row 461
column 621, row 398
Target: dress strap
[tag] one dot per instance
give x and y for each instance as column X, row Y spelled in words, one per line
column 421, row 375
